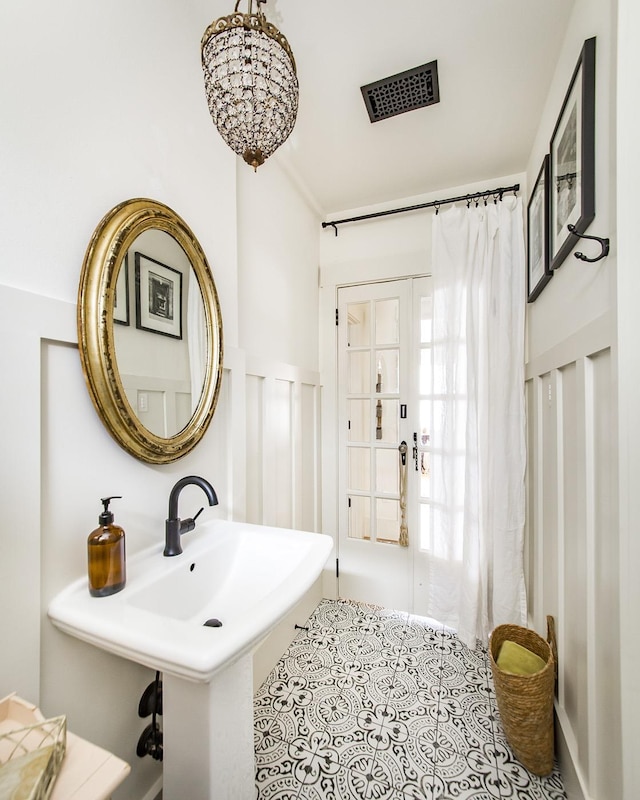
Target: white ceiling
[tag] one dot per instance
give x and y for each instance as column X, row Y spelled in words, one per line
column 495, row 63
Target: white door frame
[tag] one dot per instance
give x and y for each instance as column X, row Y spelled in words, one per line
column 332, row 279
column 373, row 570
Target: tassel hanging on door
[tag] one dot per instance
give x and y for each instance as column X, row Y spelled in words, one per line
column 402, row 465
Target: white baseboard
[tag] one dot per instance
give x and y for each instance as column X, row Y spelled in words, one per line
column 574, row 783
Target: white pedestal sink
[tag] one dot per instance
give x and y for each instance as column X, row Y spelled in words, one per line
column 247, row 577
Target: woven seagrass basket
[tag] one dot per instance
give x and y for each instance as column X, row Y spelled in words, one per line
column 525, row 702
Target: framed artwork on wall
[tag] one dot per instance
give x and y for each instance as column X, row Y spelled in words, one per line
column 158, row 297
column 121, row 299
column 538, row 272
column 572, row 154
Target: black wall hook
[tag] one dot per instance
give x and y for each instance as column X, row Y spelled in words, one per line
column 604, row 244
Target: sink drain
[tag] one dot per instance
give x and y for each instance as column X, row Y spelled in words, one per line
column 213, row 623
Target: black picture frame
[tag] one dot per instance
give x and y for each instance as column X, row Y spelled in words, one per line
column 538, row 271
column 121, row 313
column 158, row 297
column 572, row 155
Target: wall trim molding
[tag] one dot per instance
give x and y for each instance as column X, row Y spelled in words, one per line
column 573, row 779
column 589, row 340
column 27, row 320
column 572, row 484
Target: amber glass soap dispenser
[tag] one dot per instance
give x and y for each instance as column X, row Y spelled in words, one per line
column 106, row 555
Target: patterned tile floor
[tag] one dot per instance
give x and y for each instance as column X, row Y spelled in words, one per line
column 370, row 703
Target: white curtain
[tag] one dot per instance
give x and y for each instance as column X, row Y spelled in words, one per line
column 475, row 562
column 197, row 340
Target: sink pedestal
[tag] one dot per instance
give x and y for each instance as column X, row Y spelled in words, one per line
column 208, row 735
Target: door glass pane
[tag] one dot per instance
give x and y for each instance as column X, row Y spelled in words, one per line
column 425, row 474
column 425, row 371
column 387, row 371
column 359, row 468
column 387, row 471
column 359, row 378
column 387, row 420
column 387, row 520
column 387, row 328
column 359, row 327
column 359, row 420
column 426, row 316
column 359, row 518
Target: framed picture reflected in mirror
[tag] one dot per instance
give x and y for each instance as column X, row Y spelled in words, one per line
column 158, row 297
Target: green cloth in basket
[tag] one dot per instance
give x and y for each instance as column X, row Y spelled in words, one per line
column 517, row 660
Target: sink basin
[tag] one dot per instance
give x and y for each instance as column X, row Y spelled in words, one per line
column 246, row 576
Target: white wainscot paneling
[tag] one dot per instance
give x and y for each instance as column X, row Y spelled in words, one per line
column 255, row 439
column 280, row 418
column 572, row 548
column 282, row 475
column 25, row 321
column 606, row 706
column 282, row 445
column 163, row 405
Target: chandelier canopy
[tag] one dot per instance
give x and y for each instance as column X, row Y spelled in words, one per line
column 251, row 83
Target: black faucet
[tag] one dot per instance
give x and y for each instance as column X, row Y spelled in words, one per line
column 174, row 527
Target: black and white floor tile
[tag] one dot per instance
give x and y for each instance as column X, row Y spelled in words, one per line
column 370, row 704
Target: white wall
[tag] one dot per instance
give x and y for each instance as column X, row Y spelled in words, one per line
column 277, row 267
column 586, row 290
column 278, row 232
column 572, row 518
column 628, row 291
column 100, row 104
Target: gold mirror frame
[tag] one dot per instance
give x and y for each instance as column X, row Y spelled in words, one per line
column 109, row 244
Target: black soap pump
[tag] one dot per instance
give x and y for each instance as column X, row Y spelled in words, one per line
column 106, row 554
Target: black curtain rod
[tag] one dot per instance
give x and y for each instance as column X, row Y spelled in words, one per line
column 496, row 193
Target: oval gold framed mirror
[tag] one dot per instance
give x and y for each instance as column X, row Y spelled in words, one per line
column 150, row 331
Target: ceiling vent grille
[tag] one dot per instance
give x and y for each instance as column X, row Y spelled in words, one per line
column 405, row 91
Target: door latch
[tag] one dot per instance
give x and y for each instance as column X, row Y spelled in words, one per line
column 403, row 453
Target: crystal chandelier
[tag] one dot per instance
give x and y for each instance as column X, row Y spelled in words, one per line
column 251, row 83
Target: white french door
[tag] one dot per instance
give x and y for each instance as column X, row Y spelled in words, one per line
column 384, row 371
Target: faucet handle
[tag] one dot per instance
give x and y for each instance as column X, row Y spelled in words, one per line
column 189, row 524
